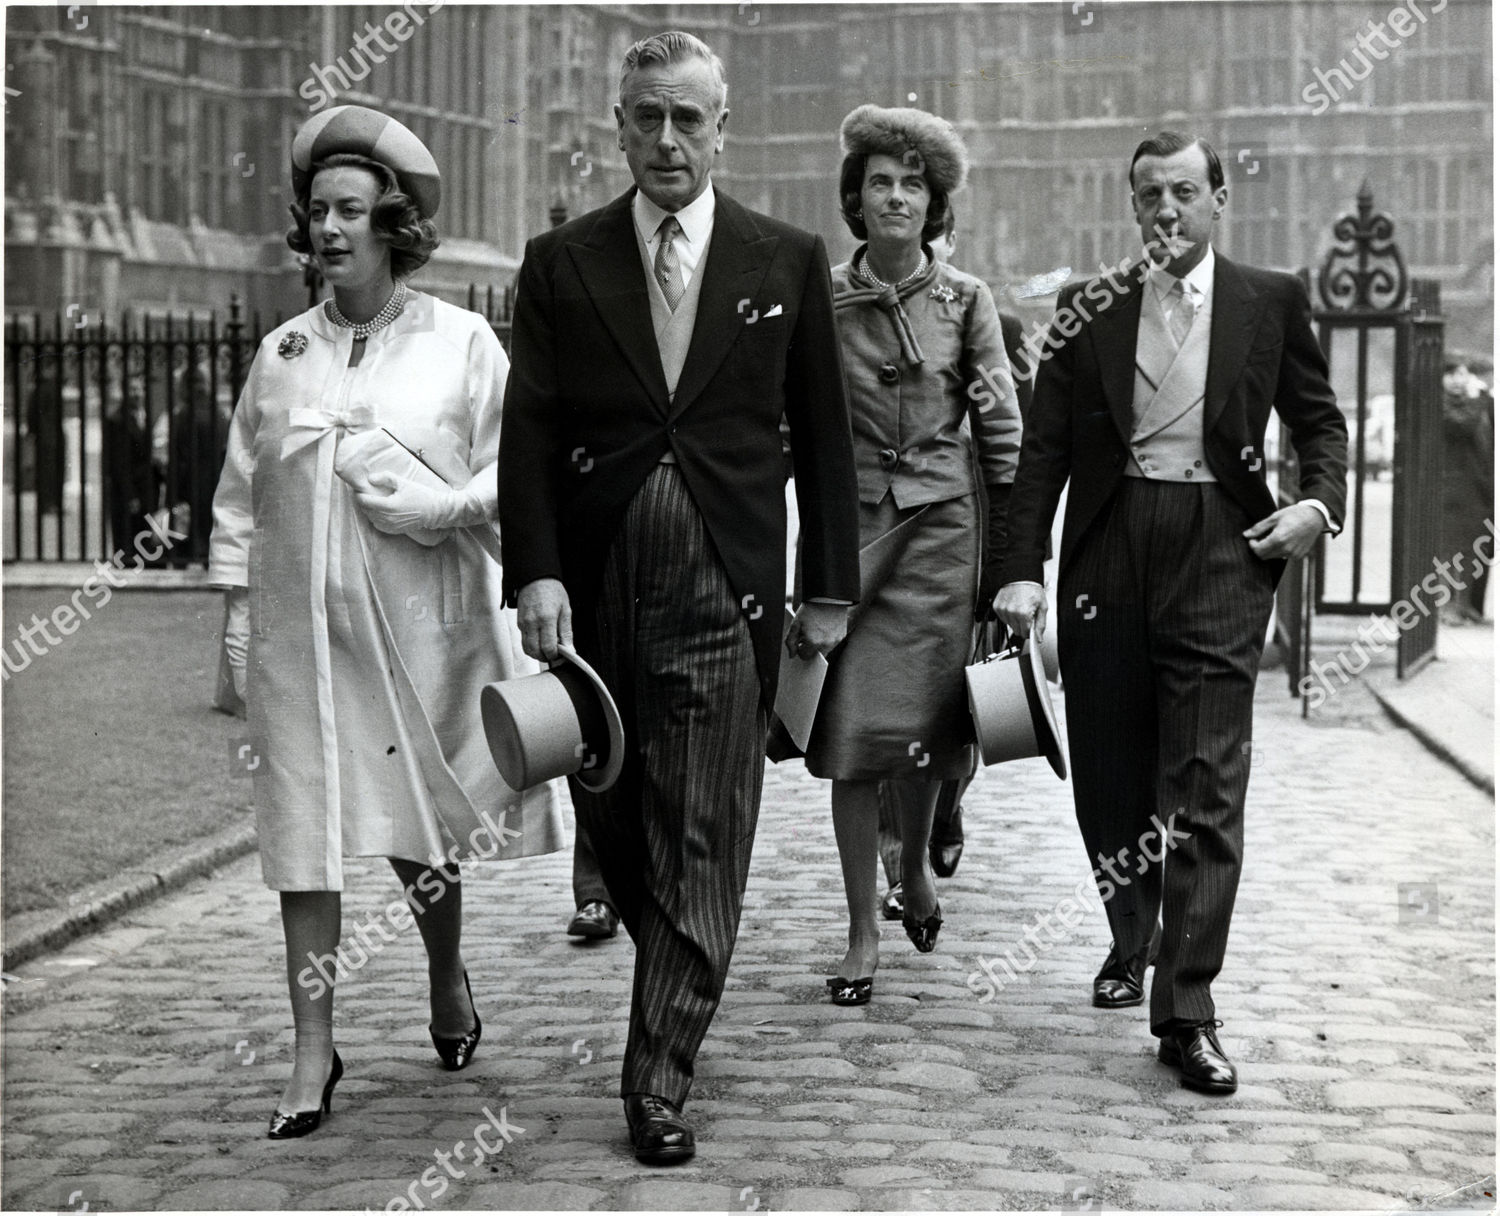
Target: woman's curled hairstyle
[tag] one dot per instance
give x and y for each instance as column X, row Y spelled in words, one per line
column 395, row 218
column 851, row 183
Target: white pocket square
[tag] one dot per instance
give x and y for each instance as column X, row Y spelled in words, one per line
column 773, row 311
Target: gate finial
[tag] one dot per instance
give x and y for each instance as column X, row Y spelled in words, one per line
column 1376, row 279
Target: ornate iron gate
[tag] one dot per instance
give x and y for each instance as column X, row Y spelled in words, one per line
column 1377, row 327
column 1418, row 500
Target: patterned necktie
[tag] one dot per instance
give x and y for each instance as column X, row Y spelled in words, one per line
column 1183, row 310
column 668, row 273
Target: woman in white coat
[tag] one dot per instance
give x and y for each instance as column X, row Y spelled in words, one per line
column 354, row 524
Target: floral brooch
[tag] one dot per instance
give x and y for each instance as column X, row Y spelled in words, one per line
column 292, row 345
column 943, row 293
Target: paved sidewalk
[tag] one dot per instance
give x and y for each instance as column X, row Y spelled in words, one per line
column 141, row 1064
column 1450, row 704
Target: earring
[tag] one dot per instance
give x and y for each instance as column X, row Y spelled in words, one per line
column 859, row 215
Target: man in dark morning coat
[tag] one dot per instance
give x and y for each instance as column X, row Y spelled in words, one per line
column 656, row 344
column 1154, row 400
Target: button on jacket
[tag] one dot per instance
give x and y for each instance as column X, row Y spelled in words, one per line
column 912, row 421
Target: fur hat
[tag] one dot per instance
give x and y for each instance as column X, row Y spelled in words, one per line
column 875, row 130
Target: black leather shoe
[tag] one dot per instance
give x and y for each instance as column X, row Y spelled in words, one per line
column 923, row 933
column 595, row 919
column 456, row 1053
column 658, row 1132
column 1194, row 1050
column 304, row 1122
column 1120, row 983
column 850, row 992
column 893, row 906
column 946, row 845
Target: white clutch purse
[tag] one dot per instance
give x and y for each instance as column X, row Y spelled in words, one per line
column 365, row 453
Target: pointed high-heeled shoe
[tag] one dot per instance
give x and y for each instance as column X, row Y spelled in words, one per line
column 456, row 1053
column 293, row 1126
column 923, row 933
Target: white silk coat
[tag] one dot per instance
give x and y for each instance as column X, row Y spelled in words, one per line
column 368, row 651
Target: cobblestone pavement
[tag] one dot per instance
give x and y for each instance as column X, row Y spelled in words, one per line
column 141, row 1064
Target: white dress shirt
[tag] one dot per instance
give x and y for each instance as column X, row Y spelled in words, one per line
column 695, row 227
column 1198, row 283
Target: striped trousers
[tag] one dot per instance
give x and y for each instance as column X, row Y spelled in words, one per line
column 1163, row 618
column 673, row 836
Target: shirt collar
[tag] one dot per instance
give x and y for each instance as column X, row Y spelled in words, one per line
column 1200, row 278
column 697, row 218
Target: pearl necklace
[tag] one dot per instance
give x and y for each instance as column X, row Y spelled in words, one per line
column 866, row 272
column 363, row 329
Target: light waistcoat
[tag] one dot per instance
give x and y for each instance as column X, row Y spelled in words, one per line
column 1166, row 442
column 674, row 330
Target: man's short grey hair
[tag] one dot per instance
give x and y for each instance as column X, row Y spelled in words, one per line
column 673, row 46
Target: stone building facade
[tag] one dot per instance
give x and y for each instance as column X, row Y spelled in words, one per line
column 147, row 148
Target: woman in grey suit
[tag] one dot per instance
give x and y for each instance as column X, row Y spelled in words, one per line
column 930, row 390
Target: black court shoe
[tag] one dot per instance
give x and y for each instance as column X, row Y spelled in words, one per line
column 294, row 1126
column 850, row 992
column 946, row 844
column 923, row 933
column 456, row 1053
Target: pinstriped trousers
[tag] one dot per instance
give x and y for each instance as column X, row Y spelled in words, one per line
column 1163, row 618
column 673, row 836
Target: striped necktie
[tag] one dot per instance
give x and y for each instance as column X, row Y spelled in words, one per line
column 668, row 273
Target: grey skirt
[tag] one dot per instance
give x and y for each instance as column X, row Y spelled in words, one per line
column 894, row 703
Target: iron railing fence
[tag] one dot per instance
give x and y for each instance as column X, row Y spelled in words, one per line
column 115, row 428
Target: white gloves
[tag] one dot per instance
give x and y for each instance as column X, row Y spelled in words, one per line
column 408, row 506
column 237, row 635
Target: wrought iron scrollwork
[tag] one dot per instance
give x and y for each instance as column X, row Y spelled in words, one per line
column 1364, row 271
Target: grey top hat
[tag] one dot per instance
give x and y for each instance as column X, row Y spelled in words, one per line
column 1012, row 710
column 561, row 722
